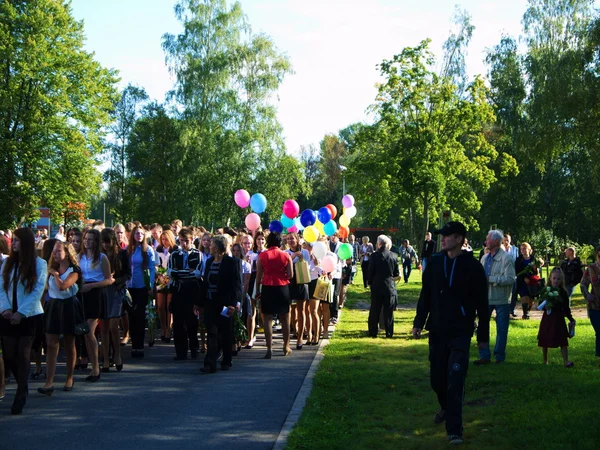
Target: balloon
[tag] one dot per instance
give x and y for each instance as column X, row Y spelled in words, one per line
column 252, row 221
column 344, row 232
column 319, row 249
column 286, row 221
column 330, row 228
column 258, row 203
column 350, row 212
column 291, row 208
column 348, row 201
column 345, row 251
column 333, row 210
column 298, row 224
column 328, row 263
column 320, row 226
column 242, row 198
column 275, row 226
column 344, row 220
column 324, row 215
column 310, row 233
column 308, row 217
column 293, row 229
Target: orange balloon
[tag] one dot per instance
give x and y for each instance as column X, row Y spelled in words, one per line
column 343, row 232
column 333, row 210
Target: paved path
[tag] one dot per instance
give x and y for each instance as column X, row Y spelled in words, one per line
column 157, row 403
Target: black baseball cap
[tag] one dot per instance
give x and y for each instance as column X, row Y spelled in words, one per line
column 452, row 228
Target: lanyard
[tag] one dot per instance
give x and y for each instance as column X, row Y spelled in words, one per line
column 446, row 270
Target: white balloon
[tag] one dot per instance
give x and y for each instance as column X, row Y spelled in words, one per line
column 319, row 249
column 350, row 212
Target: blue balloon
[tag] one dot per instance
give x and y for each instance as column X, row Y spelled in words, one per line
column 275, row 226
column 324, row 215
column 308, row 218
column 298, row 224
column 258, row 203
column 330, row 228
column 286, row 221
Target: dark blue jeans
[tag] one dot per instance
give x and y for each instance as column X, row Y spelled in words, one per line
column 406, row 269
column 595, row 319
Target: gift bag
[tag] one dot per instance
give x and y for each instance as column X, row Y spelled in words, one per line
column 302, row 271
column 322, row 289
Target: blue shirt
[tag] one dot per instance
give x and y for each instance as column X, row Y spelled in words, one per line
column 137, row 271
column 488, row 263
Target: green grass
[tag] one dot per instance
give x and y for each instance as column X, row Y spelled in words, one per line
column 375, row 393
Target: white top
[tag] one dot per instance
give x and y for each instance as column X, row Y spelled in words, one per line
column 28, row 304
column 305, row 255
column 91, row 273
column 60, row 237
column 315, row 271
column 55, row 292
column 246, row 267
column 163, row 257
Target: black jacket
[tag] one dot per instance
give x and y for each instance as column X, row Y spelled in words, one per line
column 454, row 292
column 573, row 271
column 229, row 284
column 428, row 249
column 383, row 266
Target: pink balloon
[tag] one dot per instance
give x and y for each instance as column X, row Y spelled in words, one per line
column 252, row 221
column 328, row 263
column 348, row 201
column 242, row 198
column 293, row 229
column 291, row 208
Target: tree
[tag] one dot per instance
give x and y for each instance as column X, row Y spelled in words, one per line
column 54, row 102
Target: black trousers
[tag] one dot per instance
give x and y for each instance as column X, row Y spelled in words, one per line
column 379, row 303
column 137, row 317
column 185, row 323
column 365, row 273
column 334, row 305
column 219, row 333
column 17, row 353
column 449, row 360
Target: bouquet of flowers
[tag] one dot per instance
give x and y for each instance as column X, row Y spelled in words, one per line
column 239, row 329
column 162, row 279
column 549, row 298
column 150, row 311
column 530, row 272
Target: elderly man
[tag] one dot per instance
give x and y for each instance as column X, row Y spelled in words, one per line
column 500, row 271
column 383, row 274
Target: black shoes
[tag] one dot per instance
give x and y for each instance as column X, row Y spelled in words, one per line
column 207, row 370
column 92, row 378
column 69, row 388
column 180, row 358
column 226, row 366
column 46, row 391
column 105, row 369
column 18, row 404
column 137, row 353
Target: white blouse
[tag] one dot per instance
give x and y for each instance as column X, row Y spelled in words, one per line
column 55, row 292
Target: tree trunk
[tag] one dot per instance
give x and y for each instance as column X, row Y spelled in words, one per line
column 425, row 215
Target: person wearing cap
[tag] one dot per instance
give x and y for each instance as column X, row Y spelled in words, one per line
column 500, row 271
column 453, row 294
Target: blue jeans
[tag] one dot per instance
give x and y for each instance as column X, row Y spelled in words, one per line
column 595, row 319
column 570, row 289
column 406, row 268
column 502, row 320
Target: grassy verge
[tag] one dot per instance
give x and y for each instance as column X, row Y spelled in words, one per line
column 375, row 393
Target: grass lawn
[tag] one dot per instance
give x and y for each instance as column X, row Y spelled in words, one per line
column 375, row 393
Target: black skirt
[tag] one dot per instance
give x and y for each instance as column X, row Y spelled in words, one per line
column 94, row 304
column 275, row 300
column 26, row 327
column 62, row 315
column 298, row 291
column 311, row 289
column 113, row 301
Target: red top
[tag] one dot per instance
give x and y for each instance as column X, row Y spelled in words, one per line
column 274, row 263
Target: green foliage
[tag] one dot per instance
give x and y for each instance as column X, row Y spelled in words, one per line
column 55, row 100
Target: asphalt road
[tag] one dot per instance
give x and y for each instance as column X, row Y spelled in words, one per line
column 158, row 403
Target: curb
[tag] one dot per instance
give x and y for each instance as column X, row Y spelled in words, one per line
column 300, row 401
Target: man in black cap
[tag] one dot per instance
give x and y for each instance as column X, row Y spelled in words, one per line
column 454, row 292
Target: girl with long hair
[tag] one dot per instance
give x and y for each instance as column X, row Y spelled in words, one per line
column 63, row 313
column 298, row 291
column 121, row 272
column 141, row 257
column 252, row 255
column 23, row 283
column 163, row 296
column 95, row 268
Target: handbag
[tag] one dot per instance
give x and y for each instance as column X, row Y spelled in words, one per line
column 81, row 326
column 302, row 271
column 322, row 289
column 536, row 289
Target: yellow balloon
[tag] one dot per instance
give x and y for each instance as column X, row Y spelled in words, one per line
column 310, row 234
column 319, row 227
column 344, row 220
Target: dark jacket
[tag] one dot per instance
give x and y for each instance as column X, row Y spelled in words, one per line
column 428, row 249
column 383, row 266
column 229, row 285
column 176, row 270
column 573, row 271
column 454, row 292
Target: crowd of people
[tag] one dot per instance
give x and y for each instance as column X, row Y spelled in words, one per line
column 97, row 290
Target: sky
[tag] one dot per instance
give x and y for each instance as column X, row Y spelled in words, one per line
column 334, row 47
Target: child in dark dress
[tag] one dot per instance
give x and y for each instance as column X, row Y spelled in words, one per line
column 553, row 331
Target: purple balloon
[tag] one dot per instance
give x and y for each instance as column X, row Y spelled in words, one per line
column 348, row 201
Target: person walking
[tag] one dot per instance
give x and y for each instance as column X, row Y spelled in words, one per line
column 454, row 292
column 407, row 254
column 500, row 271
column 427, row 250
column 383, row 274
column 573, row 270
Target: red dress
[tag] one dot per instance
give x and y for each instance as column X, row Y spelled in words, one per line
column 553, row 331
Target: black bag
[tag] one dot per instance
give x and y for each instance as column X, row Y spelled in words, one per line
column 81, row 326
column 536, row 289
